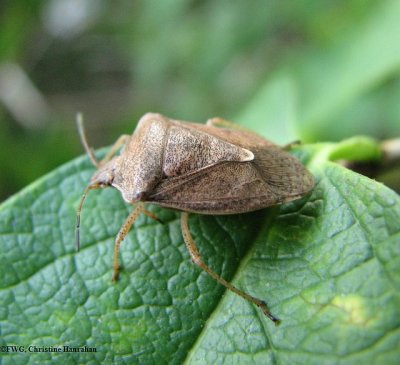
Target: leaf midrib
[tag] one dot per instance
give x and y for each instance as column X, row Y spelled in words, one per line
column 235, row 278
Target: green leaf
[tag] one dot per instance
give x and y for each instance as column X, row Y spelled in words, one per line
column 336, row 89
column 328, row 266
column 276, row 122
column 350, row 68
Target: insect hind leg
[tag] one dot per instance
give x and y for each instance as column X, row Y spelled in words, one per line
column 195, row 255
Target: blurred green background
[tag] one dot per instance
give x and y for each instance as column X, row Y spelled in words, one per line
column 315, row 70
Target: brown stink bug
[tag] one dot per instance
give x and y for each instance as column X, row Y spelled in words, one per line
column 217, row 168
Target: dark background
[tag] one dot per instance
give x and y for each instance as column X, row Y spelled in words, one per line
column 315, row 70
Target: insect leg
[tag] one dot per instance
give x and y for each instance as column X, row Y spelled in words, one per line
column 219, row 122
column 151, row 215
column 117, row 145
column 114, row 149
column 123, row 231
column 290, row 145
column 195, row 255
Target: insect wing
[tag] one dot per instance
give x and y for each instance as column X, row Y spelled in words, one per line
column 189, row 150
column 236, row 187
column 284, row 174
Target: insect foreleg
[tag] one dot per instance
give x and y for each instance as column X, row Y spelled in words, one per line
column 195, row 255
column 114, row 149
column 123, row 231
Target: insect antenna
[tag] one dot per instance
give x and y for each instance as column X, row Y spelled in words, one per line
column 78, row 216
column 82, row 135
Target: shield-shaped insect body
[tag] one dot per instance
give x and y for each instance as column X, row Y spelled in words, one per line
column 217, row 168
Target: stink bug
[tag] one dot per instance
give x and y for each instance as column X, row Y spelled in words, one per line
column 217, row 168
